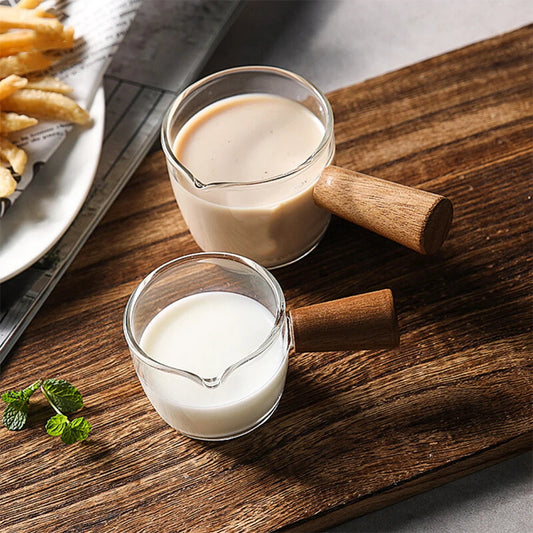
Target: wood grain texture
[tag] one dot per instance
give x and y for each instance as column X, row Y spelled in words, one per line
column 361, row 322
column 409, row 216
column 353, row 431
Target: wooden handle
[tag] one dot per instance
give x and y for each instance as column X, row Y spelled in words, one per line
column 365, row 321
column 417, row 219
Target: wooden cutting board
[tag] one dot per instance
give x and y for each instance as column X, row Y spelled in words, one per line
column 354, row 431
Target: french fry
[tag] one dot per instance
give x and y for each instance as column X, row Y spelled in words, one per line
column 49, row 83
column 41, row 13
column 29, row 4
column 26, row 32
column 23, row 63
column 11, row 84
column 28, row 19
column 46, row 104
column 15, row 156
column 7, row 183
column 10, row 122
column 14, row 42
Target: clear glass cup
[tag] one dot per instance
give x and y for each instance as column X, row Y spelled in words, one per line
column 170, row 389
column 273, row 221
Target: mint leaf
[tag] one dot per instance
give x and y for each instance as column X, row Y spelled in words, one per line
column 56, row 425
column 12, row 396
column 77, row 430
column 18, row 403
column 62, row 395
column 70, row 432
column 15, row 414
column 24, row 394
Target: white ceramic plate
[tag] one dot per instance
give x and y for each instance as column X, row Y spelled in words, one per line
column 53, row 199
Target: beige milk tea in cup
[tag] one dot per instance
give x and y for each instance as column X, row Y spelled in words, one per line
column 245, row 148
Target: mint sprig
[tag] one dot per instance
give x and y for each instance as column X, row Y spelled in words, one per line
column 18, row 403
column 62, row 396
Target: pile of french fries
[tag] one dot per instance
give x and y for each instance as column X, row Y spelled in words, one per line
column 30, row 41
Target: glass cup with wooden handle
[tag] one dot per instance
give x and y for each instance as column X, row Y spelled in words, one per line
column 210, row 337
column 249, row 153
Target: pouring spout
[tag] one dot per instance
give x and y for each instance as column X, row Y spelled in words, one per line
column 211, row 383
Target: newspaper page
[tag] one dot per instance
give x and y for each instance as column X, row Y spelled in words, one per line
column 99, row 27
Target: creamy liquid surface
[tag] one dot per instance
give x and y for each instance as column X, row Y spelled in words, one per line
column 248, row 137
column 205, row 333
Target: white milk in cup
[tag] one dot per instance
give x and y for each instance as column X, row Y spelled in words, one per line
column 209, row 335
column 209, row 341
column 245, row 148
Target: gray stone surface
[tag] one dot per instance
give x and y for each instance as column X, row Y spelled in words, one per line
column 495, row 500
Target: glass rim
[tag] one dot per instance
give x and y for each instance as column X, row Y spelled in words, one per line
column 183, row 95
column 212, row 381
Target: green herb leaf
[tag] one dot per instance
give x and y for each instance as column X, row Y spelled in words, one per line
column 62, row 395
column 18, row 403
column 24, row 394
column 77, row 430
column 12, row 396
column 56, row 425
column 15, row 414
